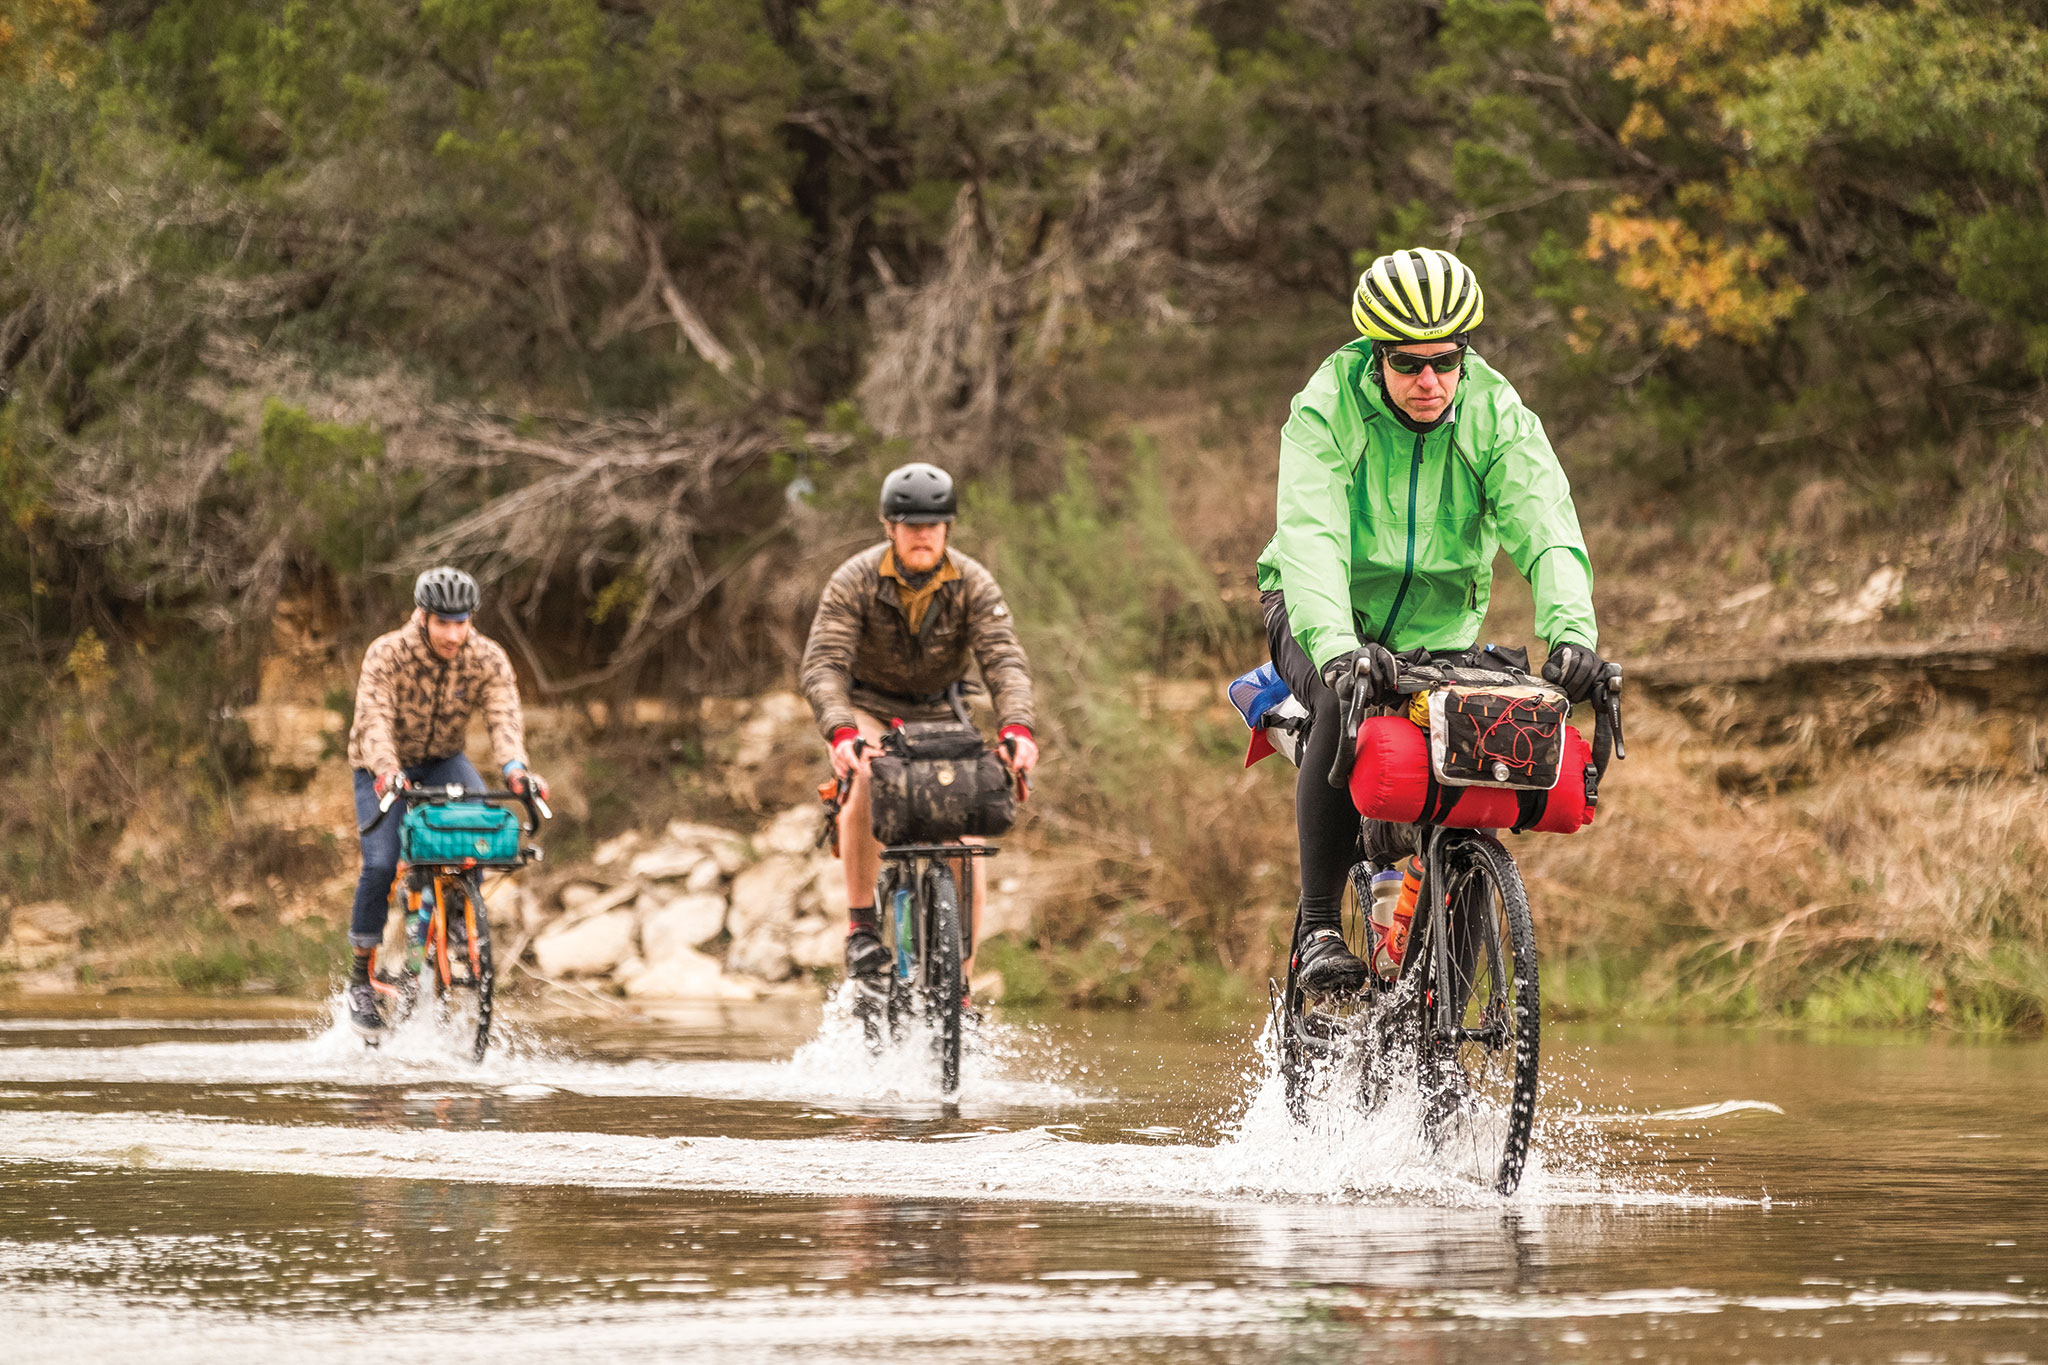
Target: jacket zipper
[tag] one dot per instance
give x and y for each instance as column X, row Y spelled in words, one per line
column 1385, row 636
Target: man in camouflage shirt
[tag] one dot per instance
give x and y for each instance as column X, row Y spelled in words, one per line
column 420, row 684
column 898, row 625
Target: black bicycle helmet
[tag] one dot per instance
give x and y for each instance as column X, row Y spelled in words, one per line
column 446, row 592
column 920, row 494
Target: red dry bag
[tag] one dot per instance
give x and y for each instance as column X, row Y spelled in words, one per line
column 1392, row 781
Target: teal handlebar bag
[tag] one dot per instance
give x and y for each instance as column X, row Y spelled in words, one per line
column 459, row 832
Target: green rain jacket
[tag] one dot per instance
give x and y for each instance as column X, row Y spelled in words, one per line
column 1389, row 535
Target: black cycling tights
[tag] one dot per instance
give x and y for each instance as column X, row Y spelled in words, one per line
column 1325, row 822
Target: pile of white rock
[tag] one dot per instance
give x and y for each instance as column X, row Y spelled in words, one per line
column 698, row 912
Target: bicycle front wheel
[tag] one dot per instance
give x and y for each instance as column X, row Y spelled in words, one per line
column 1480, row 1010
column 942, row 983
column 463, row 956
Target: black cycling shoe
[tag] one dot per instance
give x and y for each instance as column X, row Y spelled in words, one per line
column 865, row 955
column 1324, row 965
column 362, row 1011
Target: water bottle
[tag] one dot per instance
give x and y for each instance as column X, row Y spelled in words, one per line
column 1394, row 893
column 899, row 913
column 1386, row 892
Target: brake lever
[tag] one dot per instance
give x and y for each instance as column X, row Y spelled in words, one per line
column 1611, row 699
column 1350, row 711
column 1009, row 747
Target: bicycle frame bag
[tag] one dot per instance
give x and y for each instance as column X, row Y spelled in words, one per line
column 936, row 781
column 1497, row 736
column 1393, row 779
column 461, row 833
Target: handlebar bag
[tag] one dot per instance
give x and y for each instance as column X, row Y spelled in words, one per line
column 1510, row 737
column 1393, row 779
column 934, row 739
column 459, row 832
column 935, row 781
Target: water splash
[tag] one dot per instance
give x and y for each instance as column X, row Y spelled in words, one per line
column 1698, row 1111
column 1031, row 1164
column 1003, row 1066
column 1343, row 1148
column 1001, row 1062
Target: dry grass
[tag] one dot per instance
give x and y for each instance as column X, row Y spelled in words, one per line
column 1736, row 899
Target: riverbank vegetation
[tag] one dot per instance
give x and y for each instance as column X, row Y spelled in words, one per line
column 625, row 304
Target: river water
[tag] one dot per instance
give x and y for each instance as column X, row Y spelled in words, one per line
column 206, row 1181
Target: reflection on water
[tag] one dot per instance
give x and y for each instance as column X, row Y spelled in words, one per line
column 730, row 1185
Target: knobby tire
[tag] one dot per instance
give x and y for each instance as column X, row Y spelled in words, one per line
column 942, row 971
column 1488, row 973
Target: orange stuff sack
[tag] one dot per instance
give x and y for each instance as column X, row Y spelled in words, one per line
column 1392, row 781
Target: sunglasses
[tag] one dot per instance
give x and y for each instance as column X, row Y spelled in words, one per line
column 1406, row 362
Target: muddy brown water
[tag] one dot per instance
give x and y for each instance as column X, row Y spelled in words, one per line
column 195, row 1180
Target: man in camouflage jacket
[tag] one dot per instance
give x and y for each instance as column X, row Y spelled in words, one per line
column 420, row 685
column 898, row 625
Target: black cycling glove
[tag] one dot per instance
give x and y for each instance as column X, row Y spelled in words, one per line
column 1372, row 667
column 1575, row 670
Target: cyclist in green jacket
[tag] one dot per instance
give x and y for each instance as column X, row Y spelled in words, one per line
column 1406, row 463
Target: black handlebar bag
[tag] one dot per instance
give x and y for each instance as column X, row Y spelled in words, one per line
column 936, row 780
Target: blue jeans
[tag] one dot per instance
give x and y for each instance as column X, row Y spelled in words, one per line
column 380, row 845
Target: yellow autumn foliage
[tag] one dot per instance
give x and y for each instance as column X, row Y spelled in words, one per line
column 43, row 39
column 1688, row 60
column 1686, row 47
column 1708, row 284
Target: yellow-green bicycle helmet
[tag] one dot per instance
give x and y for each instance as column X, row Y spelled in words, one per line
column 1417, row 295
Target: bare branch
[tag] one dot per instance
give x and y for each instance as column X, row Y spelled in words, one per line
column 688, row 320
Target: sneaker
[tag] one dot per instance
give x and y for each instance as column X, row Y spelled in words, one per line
column 1325, row 966
column 362, row 1011
column 865, row 955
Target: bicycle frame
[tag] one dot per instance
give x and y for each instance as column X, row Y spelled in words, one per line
column 447, row 879
column 1434, row 901
column 909, row 863
column 1427, row 1003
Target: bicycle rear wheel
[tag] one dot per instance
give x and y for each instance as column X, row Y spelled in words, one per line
column 942, row 982
column 1479, row 1009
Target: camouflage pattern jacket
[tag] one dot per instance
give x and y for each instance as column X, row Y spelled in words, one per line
column 863, row 653
column 413, row 707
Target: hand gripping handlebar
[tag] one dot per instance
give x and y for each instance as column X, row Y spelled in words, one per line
column 536, row 807
column 1352, row 699
column 1607, row 736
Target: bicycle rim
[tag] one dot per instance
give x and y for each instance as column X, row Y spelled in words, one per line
column 1480, row 1087
column 942, row 971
